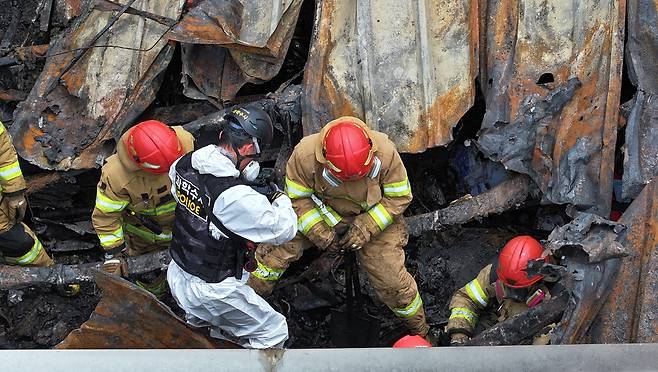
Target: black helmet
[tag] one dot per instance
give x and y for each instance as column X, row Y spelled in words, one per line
column 247, row 122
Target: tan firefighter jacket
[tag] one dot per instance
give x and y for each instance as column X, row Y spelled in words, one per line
column 478, row 297
column 318, row 197
column 123, row 188
column 11, row 177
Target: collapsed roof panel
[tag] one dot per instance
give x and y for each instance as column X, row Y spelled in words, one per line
column 75, row 125
column 229, row 43
column 631, row 312
column 531, row 48
column 641, row 155
column 407, row 68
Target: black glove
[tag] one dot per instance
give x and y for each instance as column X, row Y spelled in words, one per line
column 275, row 192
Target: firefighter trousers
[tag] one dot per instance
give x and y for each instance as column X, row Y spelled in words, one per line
column 382, row 258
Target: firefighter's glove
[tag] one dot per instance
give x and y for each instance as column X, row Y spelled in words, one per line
column 362, row 229
column 115, row 264
column 275, row 192
column 321, row 235
column 458, row 339
column 17, row 206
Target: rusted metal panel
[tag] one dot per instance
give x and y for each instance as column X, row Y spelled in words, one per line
column 532, row 47
column 76, row 125
column 407, row 68
column 128, row 317
column 229, row 43
column 631, row 312
column 641, row 153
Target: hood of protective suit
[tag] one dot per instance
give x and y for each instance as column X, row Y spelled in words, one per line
column 375, row 136
column 211, row 160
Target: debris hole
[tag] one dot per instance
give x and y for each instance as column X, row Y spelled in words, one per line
column 545, row 78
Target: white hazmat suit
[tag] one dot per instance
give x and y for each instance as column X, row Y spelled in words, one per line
column 232, row 309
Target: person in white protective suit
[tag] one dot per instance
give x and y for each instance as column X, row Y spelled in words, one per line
column 218, row 219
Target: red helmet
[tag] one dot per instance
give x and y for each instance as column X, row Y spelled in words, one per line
column 411, row 341
column 348, row 150
column 513, row 260
column 153, row 146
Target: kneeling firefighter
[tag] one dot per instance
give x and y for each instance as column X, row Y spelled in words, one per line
column 501, row 290
column 218, row 218
column 134, row 210
column 18, row 243
column 349, row 189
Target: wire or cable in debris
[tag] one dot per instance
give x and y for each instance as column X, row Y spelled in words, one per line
column 116, row 46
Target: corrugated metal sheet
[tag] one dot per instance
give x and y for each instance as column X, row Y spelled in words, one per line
column 75, row 126
column 229, row 43
column 641, row 153
column 527, row 44
column 406, row 67
column 631, row 312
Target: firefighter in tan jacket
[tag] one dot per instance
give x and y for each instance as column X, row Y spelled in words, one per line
column 500, row 291
column 18, row 244
column 349, row 179
column 134, row 209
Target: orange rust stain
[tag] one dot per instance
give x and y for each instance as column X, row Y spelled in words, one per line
column 29, row 139
column 435, row 124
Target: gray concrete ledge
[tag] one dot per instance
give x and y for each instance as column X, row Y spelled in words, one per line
column 619, row 357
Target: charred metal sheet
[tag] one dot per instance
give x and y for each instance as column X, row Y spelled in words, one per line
column 76, row 125
column 128, row 317
column 531, row 47
column 631, row 312
column 407, row 68
column 641, row 154
column 590, row 248
column 229, row 43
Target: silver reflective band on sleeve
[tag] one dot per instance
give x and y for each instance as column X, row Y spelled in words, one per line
column 297, row 191
column 397, row 189
column 11, row 171
column 476, row 293
column 308, row 220
column 409, row 310
column 381, row 216
column 108, row 205
column 264, row 272
column 464, row 313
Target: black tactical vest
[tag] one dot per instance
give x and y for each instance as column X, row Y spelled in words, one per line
column 192, row 247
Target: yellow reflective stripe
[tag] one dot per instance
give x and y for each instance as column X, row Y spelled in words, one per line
column 297, row 191
column 381, row 216
column 267, row 273
column 397, row 189
column 2, row 128
column 308, row 220
column 28, row 257
column 409, row 310
column 110, row 239
column 476, row 293
column 108, row 205
column 147, row 234
column 11, row 171
column 464, row 313
column 160, row 210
